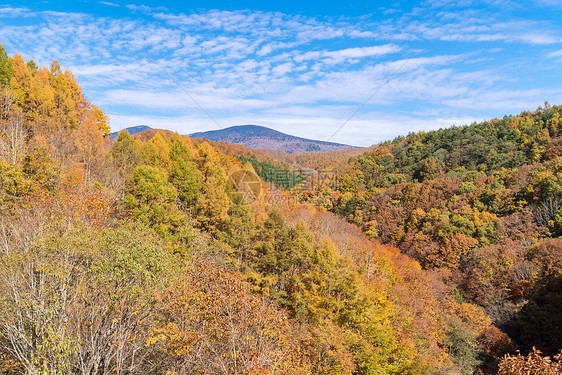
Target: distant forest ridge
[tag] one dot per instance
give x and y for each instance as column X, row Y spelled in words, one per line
column 261, row 137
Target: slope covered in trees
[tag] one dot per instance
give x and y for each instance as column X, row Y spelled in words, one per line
column 141, row 256
column 481, row 205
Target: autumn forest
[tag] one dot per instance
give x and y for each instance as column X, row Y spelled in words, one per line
column 434, row 253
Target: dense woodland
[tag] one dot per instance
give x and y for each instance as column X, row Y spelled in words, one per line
column 480, row 205
column 140, row 256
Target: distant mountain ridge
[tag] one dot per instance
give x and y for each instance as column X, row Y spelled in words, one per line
column 261, row 137
column 132, row 130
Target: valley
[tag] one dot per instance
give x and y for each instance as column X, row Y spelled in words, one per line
column 438, row 252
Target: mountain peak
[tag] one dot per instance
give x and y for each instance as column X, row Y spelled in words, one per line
column 131, row 130
column 261, row 137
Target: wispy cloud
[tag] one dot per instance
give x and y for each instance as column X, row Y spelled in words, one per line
column 109, row 4
column 304, row 75
column 13, row 12
column 348, row 53
column 555, row 54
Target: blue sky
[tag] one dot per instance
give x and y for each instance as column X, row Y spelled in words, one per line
column 300, row 67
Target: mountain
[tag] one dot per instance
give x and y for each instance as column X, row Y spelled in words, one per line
column 260, row 137
column 132, row 130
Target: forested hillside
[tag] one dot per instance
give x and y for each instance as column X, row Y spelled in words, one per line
column 480, row 205
column 144, row 256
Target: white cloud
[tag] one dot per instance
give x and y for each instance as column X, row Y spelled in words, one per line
column 281, row 70
column 145, row 8
column 176, row 99
column 10, row 12
column 507, row 99
column 555, row 54
column 109, row 4
column 359, row 52
column 348, row 53
column 302, row 75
